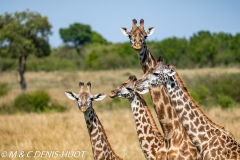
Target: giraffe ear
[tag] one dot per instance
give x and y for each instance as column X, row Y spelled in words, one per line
column 150, row 31
column 98, row 97
column 143, row 91
column 170, row 72
column 125, row 31
column 71, row 95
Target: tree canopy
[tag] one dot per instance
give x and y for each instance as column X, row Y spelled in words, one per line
column 78, row 34
column 23, row 33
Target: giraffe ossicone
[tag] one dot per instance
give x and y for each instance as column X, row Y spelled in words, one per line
column 101, row 147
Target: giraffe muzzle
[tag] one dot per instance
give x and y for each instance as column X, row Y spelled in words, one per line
column 83, row 108
column 112, row 94
column 137, row 47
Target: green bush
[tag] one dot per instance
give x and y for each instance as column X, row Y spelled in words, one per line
column 38, row 102
column 7, row 64
column 225, row 101
column 3, row 89
column 33, row 102
column 200, row 94
column 215, row 90
column 194, row 95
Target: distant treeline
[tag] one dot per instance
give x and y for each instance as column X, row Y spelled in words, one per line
column 203, row 49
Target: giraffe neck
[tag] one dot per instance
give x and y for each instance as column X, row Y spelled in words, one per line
column 150, row 139
column 100, row 146
column 167, row 115
column 198, row 126
column 146, row 59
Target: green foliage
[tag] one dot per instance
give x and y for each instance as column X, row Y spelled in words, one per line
column 97, row 38
column 172, row 49
column 38, row 101
column 33, row 102
column 92, row 60
column 225, row 101
column 109, row 57
column 203, row 49
column 219, row 90
column 24, row 33
column 51, row 64
column 7, row 64
column 200, row 93
column 4, row 88
column 79, row 34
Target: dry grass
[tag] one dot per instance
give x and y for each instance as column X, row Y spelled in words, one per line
column 67, row 131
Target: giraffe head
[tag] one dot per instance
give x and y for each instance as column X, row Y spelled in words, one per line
column 126, row 90
column 84, row 98
column 137, row 35
column 159, row 75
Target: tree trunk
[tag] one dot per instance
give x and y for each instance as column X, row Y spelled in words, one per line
column 21, row 70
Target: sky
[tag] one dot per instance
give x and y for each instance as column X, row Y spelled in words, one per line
column 179, row 18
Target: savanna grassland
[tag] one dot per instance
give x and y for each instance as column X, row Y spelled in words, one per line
column 67, row 131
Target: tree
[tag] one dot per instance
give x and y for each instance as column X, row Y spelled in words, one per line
column 225, row 44
column 97, row 38
column 203, row 48
column 76, row 35
column 172, row 49
column 22, row 34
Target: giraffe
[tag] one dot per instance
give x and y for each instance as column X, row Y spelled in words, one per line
column 101, row 148
column 153, row 144
column 167, row 116
column 212, row 141
column 137, row 38
column 150, row 139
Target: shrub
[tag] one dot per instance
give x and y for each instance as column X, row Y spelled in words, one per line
column 215, row 90
column 194, row 95
column 38, row 101
column 7, row 64
column 200, row 94
column 3, row 89
column 225, row 101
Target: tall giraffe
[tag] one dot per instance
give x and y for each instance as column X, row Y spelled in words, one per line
column 101, row 148
column 212, row 141
column 153, row 144
column 137, row 38
column 167, row 116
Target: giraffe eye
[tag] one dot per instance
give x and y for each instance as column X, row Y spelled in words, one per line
column 130, row 89
column 156, row 74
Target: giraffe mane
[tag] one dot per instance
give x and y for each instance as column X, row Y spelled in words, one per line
column 181, row 83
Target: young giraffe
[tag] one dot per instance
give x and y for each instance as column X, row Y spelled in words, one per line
column 212, row 140
column 153, row 144
column 167, row 116
column 101, row 148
